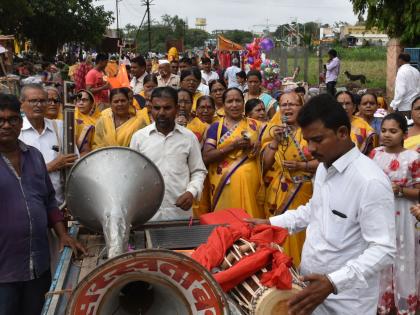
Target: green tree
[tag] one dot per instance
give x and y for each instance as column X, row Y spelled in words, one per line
column 399, row 19
column 239, row 36
column 51, row 23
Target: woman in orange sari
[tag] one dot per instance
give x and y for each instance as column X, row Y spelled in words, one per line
column 231, row 153
column 85, row 116
column 362, row 134
column 287, row 168
column 117, row 124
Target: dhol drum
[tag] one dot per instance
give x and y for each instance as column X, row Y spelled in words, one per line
column 251, row 295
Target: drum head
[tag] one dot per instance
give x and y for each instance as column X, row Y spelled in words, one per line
column 274, row 301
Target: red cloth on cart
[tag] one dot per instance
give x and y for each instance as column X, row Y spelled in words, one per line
column 211, row 255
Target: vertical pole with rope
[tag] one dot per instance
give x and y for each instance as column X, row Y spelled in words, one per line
column 148, row 25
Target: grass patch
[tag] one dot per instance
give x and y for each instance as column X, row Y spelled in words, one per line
column 374, row 69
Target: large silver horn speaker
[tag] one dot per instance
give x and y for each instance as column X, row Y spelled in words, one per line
column 112, row 189
column 148, row 282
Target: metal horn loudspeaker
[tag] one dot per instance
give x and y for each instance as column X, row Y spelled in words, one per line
column 113, row 189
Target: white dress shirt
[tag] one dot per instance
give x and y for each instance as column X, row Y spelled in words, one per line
column 350, row 231
column 137, row 84
column 407, row 87
column 51, row 136
column 208, row 77
column 333, row 70
column 203, row 89
column 178, row 157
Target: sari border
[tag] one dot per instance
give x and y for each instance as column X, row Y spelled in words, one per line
column 285, row 205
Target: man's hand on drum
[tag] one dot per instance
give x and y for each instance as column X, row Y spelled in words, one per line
column 255, row 221
column 314, row 294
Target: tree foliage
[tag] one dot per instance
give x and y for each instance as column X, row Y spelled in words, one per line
column 169, row 28
column 399, row 19
column 51, row 23
column 239, row 36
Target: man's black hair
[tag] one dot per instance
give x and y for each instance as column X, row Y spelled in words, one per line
column 10, row 102
column 332, row 52
column 404, row 57
column 165, row 92
column 325, row 109
column 139, row 60
column 101, row 57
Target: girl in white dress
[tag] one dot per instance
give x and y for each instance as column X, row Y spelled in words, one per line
column 399, row 286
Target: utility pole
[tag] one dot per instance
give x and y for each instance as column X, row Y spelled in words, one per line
column 117, row 14
column 148, row 3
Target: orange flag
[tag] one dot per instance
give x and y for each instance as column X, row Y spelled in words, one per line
column 121, row 80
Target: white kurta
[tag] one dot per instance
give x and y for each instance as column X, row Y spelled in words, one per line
column 350, row 231
column 178, row 157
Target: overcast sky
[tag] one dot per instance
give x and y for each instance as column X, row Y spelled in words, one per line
column 237, row 14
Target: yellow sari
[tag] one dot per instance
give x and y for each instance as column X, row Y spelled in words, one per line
column 284, row 189
column 196, row 96
column 85, row 126
column 219, row 114
column 363, row 135
column 107, row 135
column 144, row 114
column 234, row 182
column 413, row 143
column 199, row 128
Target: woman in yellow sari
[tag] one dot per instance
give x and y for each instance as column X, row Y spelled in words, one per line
column 149, row 83
column 287, row 168
column 117, row 124
column 85, row 116
column 362, row 134
column 231, row 153
column 413, row 140
column 190, row 80
column 217, row 88
column 185, row 117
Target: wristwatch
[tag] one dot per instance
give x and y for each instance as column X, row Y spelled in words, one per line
column 400, row 192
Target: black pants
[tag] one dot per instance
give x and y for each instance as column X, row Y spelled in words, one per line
column 331, row 87
column 25, row 297
column 406, row 113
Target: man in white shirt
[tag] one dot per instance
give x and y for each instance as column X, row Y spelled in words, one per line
column 166, row 77
column 206, row 74
column 44, row 134
column 138, row 71
column 407, row 86
column 176, row 152
column 349, row 221
column 230, row 73
column 333, row 70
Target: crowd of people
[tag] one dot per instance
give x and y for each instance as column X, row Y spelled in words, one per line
column 344, row 181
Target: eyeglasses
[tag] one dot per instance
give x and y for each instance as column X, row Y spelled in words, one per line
column 53, row 101
column 36, row 102
column 13, row 121
column 290, row 105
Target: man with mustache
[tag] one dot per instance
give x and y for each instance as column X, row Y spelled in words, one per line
column 28, row 208
column 176, row 152
column 349, row 221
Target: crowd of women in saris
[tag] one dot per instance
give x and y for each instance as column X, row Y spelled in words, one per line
column 258, row 160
